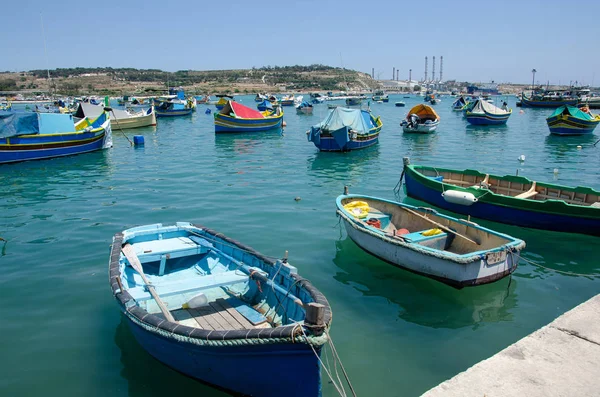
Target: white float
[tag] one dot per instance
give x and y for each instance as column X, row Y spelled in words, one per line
column 458, row 197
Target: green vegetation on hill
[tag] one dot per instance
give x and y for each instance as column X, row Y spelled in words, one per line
column 317, row 77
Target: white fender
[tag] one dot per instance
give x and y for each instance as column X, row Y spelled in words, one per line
column 457, row 197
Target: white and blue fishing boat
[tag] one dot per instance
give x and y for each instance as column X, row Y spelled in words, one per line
column 235, row 117
column 421, row 119
column 454, row 251
column 380, row 96
column 485, row 113
column 218, row 311
column 304, row 108
column 35, row 136
column 569, row 120
column 346, row 129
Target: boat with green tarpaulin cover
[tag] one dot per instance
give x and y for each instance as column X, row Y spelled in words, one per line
column 570, row 120
column 510, row 199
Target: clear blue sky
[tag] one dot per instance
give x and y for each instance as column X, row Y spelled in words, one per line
column 480, row 40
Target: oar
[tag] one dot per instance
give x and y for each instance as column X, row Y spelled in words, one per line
column 136, row 264
column 440, row 225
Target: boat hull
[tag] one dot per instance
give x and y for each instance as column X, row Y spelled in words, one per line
column 486, row 119
column 518, row 216
column 173, row 113
column 135, row 122
column 560, row 125
column 328, row 144
column 39, row 147
column 421, row 128
column 451, row 273
column 224, row 123
column 529, row 103
column 297, row 366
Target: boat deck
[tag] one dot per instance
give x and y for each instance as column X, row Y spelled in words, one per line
column 218, row 315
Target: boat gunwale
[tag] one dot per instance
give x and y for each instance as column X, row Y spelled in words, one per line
column 281, row 334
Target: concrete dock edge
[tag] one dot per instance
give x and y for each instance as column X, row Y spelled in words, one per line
column 560, row 359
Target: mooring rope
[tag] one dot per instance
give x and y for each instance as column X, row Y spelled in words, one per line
column 558, row 271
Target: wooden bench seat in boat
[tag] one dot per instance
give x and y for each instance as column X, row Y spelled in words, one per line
column 196, row 283
column 223, row 314
column 151, row 251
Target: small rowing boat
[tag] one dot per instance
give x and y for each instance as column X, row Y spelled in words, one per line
column 454, row 251
column 216, row 310
column 421, row 119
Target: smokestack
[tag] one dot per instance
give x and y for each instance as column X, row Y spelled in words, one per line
column 433, row 70
column 441, row 68
column 373, row 73
column 425, row 69
column 393, row 73
column 409, row 75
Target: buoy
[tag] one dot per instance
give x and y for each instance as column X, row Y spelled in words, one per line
column 522, row 157
column 297, row 198
column 556, row 170
column 578, row 147
column 138, row 140
column 207, row 111
column 521, row 111
column 457, row 197
column 283, row 123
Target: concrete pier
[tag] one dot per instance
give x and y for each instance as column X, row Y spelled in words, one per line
column 560, row 359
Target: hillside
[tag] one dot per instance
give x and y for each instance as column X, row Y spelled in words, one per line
column 113, row 81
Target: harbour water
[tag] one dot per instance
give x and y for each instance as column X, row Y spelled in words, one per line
column 398, row 334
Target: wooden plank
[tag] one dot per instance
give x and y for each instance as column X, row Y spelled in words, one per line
column 231, row 321
column 213, row 318
column 235, row 314
column 199, row 317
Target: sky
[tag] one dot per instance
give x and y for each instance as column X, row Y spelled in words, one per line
column 481, row 41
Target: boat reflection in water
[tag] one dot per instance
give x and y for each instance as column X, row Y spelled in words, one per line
column 421, row 300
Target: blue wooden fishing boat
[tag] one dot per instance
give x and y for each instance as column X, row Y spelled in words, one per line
column 35, row 136
column 173, row 106
column 346, row 129
column 485, row 113
column 454, row 251
column 304, row 108
column 235, row 117
column 218, row 311
column 548, row 99
column 570, row 120
column 459, row 104
column 264, row 105
column 508, row 199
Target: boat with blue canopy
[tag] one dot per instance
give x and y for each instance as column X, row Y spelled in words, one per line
column 346, row 129
column 484, row 113
column 454, row 251
column 218, row 311
column 570, row 120
column 304, row 108
column 235, row 117
column 264, row 105
column 34, row 136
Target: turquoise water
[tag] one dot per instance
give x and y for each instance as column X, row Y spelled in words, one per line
column 397, row 333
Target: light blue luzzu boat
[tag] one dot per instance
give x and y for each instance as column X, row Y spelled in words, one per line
column 219, row 311
column 454, row 251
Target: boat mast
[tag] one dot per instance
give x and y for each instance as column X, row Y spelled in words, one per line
column 46, row 54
